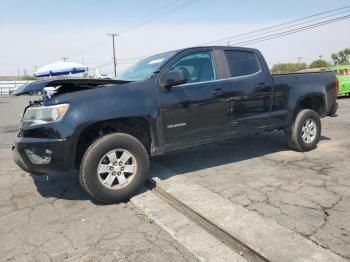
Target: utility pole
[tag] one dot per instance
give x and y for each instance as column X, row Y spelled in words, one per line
column 299, row 59
column 64, row 59
column 113, row 35
column 320, row 56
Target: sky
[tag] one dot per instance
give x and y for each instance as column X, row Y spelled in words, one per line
column 34, row 33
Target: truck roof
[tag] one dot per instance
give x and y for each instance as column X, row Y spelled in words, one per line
column 219, row 47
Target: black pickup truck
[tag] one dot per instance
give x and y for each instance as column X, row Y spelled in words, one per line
column 107, row 129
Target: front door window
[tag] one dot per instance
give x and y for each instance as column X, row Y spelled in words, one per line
column 198, row 67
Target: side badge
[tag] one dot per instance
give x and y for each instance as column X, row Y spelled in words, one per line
column 176, row 125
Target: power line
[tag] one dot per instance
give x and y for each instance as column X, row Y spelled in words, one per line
column 126, row 60
column 137, row 21
column 174, row 6
column 291, row 26
column 99, row 43
column 121, row 61
column 157, row 14
column 274, row 26
column 252, row 41
column 271, row 36
column 289, row 32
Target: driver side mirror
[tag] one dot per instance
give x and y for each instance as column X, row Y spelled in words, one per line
column 173, row 78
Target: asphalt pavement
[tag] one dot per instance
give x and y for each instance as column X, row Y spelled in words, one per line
column 50, row 218
column 307, row 193
column 304, row 196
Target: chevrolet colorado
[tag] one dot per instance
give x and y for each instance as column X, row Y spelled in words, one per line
column 107, row 129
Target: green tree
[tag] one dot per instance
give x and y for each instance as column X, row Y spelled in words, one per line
column 28, row 78
column 318, row 64
column 342, row 57
column 287, row 67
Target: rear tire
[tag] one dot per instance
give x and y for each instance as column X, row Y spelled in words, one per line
column 305, row 132
column 114, row 168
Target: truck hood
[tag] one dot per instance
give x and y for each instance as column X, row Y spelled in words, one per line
column 67, row 84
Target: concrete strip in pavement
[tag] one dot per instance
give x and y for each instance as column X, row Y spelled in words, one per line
column 202, row 244
column 263, row 235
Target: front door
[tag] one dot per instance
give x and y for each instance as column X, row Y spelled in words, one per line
column 197, row 109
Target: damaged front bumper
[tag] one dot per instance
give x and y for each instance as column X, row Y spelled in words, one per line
column 42, row 155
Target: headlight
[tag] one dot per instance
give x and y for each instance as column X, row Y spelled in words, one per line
column 44, row 114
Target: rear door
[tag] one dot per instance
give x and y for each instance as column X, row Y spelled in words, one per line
column 250, row 91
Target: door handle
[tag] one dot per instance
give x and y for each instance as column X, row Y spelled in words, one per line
column 218, row 92
column 262, row 87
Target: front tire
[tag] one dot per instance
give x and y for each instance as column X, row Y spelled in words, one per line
column 114, row 168
column 305, row 132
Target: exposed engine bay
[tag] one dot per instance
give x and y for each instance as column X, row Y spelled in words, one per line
column 50, row 88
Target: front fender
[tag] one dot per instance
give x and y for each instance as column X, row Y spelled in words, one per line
column 90, row 107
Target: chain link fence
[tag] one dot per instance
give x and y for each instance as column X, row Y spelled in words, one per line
column 8, row 86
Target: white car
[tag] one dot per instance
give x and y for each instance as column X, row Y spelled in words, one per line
column 104, row 76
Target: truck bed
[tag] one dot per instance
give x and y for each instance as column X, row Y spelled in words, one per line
column 300, row 84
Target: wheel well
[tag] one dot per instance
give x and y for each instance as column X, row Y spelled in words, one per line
column 135, row 126
column 315, row 103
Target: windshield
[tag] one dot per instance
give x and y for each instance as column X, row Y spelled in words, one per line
column 145, row 67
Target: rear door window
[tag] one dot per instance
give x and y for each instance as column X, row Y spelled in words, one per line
column 242, row 63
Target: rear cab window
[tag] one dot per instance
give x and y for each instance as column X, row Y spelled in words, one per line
column 242, row 63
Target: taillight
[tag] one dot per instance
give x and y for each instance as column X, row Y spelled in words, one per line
column 336, row 87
